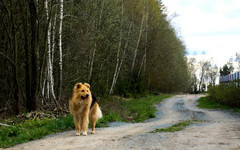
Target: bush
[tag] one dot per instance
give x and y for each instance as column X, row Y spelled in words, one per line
column 226, row 94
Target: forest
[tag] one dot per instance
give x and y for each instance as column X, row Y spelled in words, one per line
column 120, row 47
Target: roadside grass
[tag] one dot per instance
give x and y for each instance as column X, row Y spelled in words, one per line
column 117, row 108
column 32, row 130
column 142, row 109
column 176, row 127
column 114, row 109
column 206, row 102
column 109, row 117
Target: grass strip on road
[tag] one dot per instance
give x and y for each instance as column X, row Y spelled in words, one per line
column 176, row 127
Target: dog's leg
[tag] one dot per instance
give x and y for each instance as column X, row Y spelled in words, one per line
column 85, row 123
column 77, row 124
column 80, row 125
column 93, row 122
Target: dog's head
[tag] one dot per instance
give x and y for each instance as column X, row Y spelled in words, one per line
column 82, row 90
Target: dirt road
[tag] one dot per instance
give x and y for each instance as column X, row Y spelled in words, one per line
column 220, row 130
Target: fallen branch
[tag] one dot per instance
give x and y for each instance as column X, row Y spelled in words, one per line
column 5, row 125
column 66, row 111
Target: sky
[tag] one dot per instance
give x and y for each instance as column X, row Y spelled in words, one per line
column 209, row 28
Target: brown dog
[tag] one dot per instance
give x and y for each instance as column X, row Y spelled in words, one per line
column 83, row 106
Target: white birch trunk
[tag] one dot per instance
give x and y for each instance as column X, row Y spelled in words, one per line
column 146, row 39
column 124, row 51
column 92, row 61
column 47, row 86
column 60, row 50
column 49, row 61
column 107, row 77
column 43, row 84
column 95, row 45
column 53, row 36
column 43, row 90
column 100, row 17
column 123, row 55
column 144, row 60
column 118, row 53
column 139, row 38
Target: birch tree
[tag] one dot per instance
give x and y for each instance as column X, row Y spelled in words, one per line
column 124, row 52
column 193, row 77
column 60, row 50
column 50, row 81
column 204, row 66
column 212, row 74
column 118, row 51
column 144, row 59
column 137, row 45
column 97, row 23
column 91, row 62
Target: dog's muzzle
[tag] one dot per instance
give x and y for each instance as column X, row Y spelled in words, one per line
column 85, row 98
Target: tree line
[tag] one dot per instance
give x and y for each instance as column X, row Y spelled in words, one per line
column 122, row 47
column 203, row 73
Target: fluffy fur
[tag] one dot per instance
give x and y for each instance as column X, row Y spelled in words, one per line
column 84, row 107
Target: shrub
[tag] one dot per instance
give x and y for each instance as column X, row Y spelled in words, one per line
column 226, row 93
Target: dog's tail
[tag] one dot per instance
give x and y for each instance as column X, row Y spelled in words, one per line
column 99, row 113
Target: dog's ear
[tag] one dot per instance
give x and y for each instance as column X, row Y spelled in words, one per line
column 78, row 85
column 87, row 85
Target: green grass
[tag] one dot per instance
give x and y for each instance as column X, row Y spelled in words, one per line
column 142, row 109
column 110, row 117
column 32, row 130
column 115, row 110
column 176, row 127
column 206, row 102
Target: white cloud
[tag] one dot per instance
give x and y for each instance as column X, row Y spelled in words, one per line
column 210, row 26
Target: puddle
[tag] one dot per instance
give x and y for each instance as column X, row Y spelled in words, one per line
column 117, row 124
column 179, row 106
